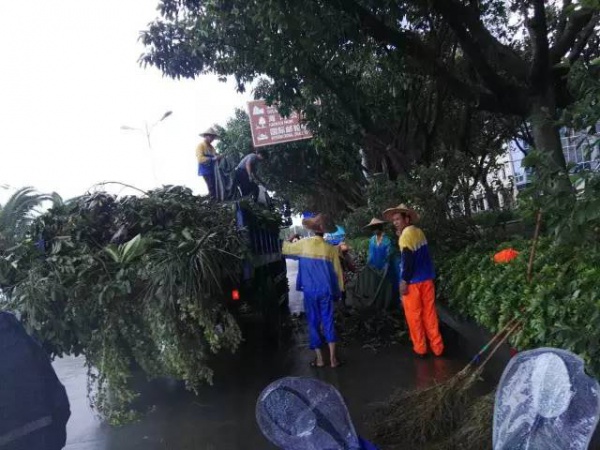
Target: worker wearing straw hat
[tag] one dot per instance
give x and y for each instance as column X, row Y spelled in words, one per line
column 373, row 287
column 321, row 279
column 380, row 245
column 207, row 156
column 417, row 288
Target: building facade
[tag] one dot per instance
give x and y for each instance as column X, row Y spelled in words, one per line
column 581, row 150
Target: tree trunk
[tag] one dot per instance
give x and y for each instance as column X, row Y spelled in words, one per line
column 491, row 197
column 467, row 203
column 546, row 133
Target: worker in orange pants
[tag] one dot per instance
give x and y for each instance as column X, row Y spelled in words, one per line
column 416, row 282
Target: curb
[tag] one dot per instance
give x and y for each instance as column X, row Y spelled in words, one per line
column 469, row 338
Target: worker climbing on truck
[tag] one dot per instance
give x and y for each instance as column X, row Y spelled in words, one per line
column 245, row 173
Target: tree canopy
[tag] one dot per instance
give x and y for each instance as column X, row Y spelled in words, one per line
column 308, row 174
column 362, row 59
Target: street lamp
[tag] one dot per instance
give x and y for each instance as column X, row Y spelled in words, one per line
column 147, row 131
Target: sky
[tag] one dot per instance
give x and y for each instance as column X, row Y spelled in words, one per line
column 70, row 80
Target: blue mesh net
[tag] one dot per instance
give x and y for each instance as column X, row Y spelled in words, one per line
column 545, row 401
column 305, row 414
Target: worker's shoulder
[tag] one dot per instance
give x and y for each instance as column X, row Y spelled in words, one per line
column 203, row 144
column 320, row 247
column 412, row 236
column 416, row 231
column 412, row 230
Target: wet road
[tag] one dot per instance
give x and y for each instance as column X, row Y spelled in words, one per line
column 296, row 298
column 222, row 417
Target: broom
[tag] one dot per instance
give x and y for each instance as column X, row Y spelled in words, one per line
column 417, row 417
column 475, row 433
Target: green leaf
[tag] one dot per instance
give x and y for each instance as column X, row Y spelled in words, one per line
column 132, row 246
column 186, row 234
column 113, row 251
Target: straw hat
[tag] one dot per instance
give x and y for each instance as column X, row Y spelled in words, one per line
column 210, row 132
column 401, row 208
column 321, row 223
column 375, row 222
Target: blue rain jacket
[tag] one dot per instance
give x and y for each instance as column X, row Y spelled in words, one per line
column 379, row 254
column 319, row 267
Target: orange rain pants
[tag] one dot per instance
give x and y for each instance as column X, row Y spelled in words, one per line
column 419, row 309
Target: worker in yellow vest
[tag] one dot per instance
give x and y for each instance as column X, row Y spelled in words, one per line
column 207, row 158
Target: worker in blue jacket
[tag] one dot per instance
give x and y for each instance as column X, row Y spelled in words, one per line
column 320, row 278
column 380, row 246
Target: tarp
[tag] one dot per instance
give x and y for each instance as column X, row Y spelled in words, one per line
column 226, row 185
column 34, row 408
column 336, row 237
column 373, row 289
column 224, row 178
column 545, row 401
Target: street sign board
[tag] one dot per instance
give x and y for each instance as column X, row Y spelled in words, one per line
column 269, row 128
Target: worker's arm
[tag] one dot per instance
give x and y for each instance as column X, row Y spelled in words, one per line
column 293, row 250
column 408, row 265
column 337, row 267
column 249, row 168
column 408, row 245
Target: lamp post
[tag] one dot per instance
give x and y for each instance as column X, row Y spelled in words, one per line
column 147, row 131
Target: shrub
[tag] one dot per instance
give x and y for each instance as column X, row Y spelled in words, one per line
column 560, row 308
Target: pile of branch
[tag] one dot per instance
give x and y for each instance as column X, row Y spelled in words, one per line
column 372, row 329
column 454, row 418
column 475, row 432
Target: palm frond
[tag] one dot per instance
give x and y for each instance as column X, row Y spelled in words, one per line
column 18, row 211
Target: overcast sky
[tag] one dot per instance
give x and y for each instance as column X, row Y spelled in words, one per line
column 70, row 80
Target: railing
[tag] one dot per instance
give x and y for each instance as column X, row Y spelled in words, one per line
column 591, row 166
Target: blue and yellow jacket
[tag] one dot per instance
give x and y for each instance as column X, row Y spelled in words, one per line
column 206, row 154
column 319, row 267
column 416, row 263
